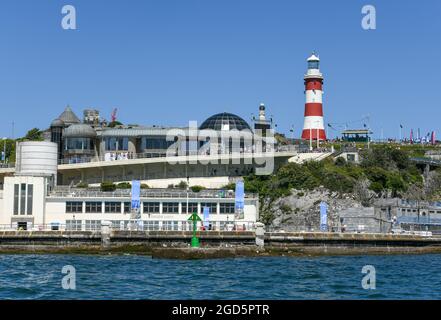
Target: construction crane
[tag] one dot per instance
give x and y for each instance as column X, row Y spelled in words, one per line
column 113, row 114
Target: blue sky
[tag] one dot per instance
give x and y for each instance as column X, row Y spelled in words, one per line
column 167, row 62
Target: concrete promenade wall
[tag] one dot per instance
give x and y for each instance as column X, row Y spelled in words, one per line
column 214, row 244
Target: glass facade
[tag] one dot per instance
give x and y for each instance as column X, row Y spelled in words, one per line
column 116, row 143
column 155, row 143
column 78, row 144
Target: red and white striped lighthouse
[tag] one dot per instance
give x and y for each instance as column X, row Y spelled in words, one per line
column 313, row 127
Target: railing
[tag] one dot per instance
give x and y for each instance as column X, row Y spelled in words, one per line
column 132, row 225
column 144, row 193
column 125, row 155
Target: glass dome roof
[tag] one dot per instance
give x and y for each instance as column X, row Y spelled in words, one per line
column 225, row 121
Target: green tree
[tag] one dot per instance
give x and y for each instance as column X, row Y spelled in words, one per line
column 34, row 134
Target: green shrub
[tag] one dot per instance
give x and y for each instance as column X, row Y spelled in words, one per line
column 108, row 186
column 230, row 186
column 124, row 185
column 181, row 185
column 197, row 188
column 145, row 186
column 82, row 185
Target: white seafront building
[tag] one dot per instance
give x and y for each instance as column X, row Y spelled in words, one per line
column 31, row 200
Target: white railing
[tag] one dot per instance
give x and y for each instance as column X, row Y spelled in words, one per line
column 145, row 193
column 130, row 225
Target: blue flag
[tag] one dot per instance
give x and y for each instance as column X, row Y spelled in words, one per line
column 136, row 190
column 206, row 217
column 323, row 216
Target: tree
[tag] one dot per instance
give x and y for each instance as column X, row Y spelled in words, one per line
column 34, row 134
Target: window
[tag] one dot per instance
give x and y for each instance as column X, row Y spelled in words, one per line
column 112, row 207
column 93, row 207
column 74, row 207
column 227, row 208
column 151, row 207
column 151, row 225
column 93, row 225
column 170, row 207
column 116, row 225
column 78, row 144
column 187, row 226
column 211, row 205
column 313, row 65
column 127, row 207
column 73, row 225
column 30, row 198
column 117, row 143
column 192, row 207
column 16, row 196
column 22, row 198
column 170, row 225
column 155, row 143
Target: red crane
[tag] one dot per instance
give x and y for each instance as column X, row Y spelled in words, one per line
column 113, row 115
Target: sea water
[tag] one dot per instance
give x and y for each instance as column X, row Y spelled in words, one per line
column 141, row 277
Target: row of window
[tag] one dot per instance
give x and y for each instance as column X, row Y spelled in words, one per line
column 149, row 207
column 415, row 210
column 149, row 225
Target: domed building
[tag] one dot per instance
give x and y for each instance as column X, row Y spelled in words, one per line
column 79, row 141
column 225, row 121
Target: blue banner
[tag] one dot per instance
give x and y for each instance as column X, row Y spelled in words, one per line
column 323, row 216
column 136, row 190
column 206, row 217
column 240, row 199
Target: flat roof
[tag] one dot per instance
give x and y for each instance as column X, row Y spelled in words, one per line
column 357, row 131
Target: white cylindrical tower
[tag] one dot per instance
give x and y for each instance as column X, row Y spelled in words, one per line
column 313, row 127
column 36, row 158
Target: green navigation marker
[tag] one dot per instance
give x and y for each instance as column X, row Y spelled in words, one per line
column 194, row 240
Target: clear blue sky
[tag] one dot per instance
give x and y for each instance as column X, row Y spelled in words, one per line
column 167, row 62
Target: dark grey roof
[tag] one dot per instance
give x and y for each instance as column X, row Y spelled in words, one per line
column 57, row 123
column 68, row 116
column 79, row 130
column 225, row 120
